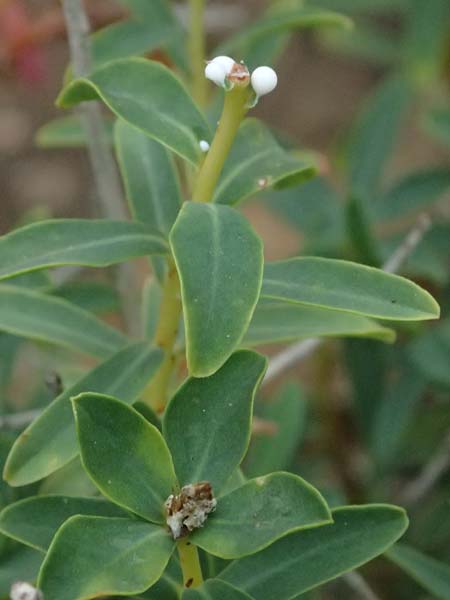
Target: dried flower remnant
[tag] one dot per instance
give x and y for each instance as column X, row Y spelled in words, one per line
column 24, row 591
column 189, row 509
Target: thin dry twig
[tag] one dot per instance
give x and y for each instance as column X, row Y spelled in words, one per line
column 104, row 168
column 410, row 243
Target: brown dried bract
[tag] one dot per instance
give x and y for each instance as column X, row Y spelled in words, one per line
column 190, row 508
column 239, row 75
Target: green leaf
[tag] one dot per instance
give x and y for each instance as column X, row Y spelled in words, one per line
column 150, row 178
column 150, row 26
column 347, row 286
column 430, row 353
column 50, row 441
column 375, row 134
column 34, row 521
column 307, row 559
column 86, row 242
column 94, row 296
column 66, row 132
column 256, row 161
column 217, row 243
column 431, row 574
column 207, row 422
column 148, row 96
column 279, row 22
column 99, row 556
column 275, row 322
column 415, row 192
column 20, row 564
column 150, row 306
column 437, row 124
column 215, row 589
column 125, row 456
column 275, row 452
column 260, row 512
column 40, row 317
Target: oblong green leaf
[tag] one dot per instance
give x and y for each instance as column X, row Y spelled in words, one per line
column 207, row 422
column 429, row 353
column 304, row 560
column 40, row 317
column 50, row 442
column 260, row 512
column 100, row 556
column 125, row 456
column 86, row 242
column 148, row 96
column 256, row 162
column 34, row 521
column 431, row 574
column 274, row 322
column 216, row 243
column 150, row 178
column 347, row 286
column 215, row 589
column 94, row 296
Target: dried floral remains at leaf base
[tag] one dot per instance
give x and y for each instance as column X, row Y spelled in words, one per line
column 189, row 509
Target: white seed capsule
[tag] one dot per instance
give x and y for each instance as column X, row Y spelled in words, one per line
column 204, row 146
column 225, row 61
column 24, row 591
column 264, row 80
column 216, row 73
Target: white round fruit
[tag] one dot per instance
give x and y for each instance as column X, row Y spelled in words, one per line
column 264, row 80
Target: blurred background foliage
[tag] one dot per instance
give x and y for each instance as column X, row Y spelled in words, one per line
column 362, row 420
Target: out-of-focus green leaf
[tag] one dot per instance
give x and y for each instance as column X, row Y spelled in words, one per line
column 431, row 574
column 430, row 353
column 374, row 136
column 41, row 317
column 150, row 26
column 115, row 556
column 150, row 178
column 418, row 191
column 291, row 17
column 35, row 520
column 256, row 162
column 395, row 410
column 50, row 442
column 94, row 296
column 437, row 123
column 125, row 456
column 151, row 302
column 274, row 322
column 148, row 96
column 215, row 241
column 207, row 422
column 270, row 452
column 66, row 132
column 304, row 560
column 87, row 242
column 425, row 44
column 263, row 510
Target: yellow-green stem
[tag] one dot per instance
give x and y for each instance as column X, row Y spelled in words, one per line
column 190, row 563
column 197, row 51
column 234, row 110
column 165, row 337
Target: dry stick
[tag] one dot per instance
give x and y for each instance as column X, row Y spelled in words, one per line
column 104, row 167
column 301, row 350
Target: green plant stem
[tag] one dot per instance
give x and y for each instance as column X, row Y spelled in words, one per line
column 190, row 563
column 165, row 337
column 197, row 45
column 234, row 110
